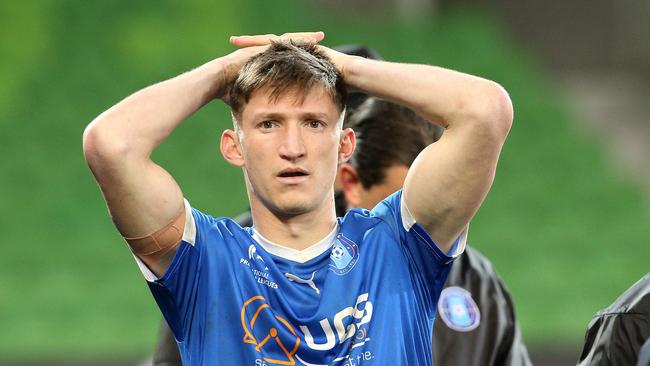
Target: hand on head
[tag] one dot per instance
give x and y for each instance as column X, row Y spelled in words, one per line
column 250, row 46
column 266, row 39
column 309, row 37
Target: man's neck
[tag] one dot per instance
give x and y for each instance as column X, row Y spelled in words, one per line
column 296, row 232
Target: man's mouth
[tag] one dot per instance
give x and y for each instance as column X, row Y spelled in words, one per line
column 292, row 175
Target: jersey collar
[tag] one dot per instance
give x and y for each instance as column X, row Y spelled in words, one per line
column 300, row 256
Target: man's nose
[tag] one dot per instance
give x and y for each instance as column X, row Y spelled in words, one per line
column 292, row 146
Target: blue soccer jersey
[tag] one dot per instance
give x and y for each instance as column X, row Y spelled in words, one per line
column 365, row 295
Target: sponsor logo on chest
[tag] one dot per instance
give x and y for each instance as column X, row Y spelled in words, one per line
column 262, row 275
column 270, row 334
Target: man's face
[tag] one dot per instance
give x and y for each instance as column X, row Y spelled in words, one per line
column 290, row 149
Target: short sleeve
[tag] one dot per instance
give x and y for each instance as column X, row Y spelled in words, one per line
column 408, row 223
column 176, row 291
column 428, row 264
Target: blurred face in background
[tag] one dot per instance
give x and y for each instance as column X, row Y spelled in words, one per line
column 389, row 138
column 356, row 195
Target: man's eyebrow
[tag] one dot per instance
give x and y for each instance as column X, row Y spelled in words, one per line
column 315, row 115
column 268, row 116
column 282, row 116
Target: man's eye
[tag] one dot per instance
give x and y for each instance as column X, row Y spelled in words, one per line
column 316, row 124
column 266, row 124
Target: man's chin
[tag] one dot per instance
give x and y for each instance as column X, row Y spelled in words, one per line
column 290, row 204
column 291, row 208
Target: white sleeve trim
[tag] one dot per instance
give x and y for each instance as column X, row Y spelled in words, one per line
column 189, row 230
column 408, row 221
column 407, row 218
column 189, row 236
column 146, row 272
column 462, row 242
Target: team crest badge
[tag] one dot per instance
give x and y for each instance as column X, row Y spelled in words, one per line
column 458, row 310
column 344, row 255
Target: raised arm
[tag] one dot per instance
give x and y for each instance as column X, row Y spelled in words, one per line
column 449, row 179
column 144, row 200
column 142, row 197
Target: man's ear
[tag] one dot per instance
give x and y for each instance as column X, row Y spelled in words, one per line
column 347, row 144
column 231, row 148
column 350, row 184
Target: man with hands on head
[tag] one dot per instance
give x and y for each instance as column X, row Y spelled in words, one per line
column 300, row 287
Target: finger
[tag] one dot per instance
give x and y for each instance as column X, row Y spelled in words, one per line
column 264, row 39
column 336, row 57
column 257, row 40
column 313, row 37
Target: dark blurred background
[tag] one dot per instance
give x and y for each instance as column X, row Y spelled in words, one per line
column 566, row 224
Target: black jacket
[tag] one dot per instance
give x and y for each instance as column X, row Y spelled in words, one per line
column 493, row 336
column 616, row 334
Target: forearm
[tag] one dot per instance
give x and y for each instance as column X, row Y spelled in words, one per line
column 142, row 197
column 450, row 178
column 448, row 98
column 142, row 121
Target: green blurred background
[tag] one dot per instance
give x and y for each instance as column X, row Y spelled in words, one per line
column 564, row 229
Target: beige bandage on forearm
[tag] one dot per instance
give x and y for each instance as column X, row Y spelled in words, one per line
column 154, row 246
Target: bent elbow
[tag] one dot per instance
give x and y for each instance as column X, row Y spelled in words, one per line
column 493, row 111
column 503, row 111
column 100, row 146
column 89, row 142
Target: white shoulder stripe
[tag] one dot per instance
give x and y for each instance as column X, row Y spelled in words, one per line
column 462, row 242
column 146, row 272
column 408, row 221
column 189, row 230
column 407, row 218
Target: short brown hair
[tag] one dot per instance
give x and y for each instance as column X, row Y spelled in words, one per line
column 285, row 65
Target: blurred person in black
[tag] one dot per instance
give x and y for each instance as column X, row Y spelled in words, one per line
column 644, row 354
column 620, row 333
column 475, row 323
